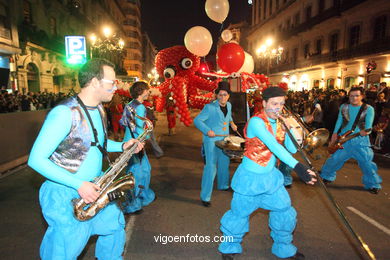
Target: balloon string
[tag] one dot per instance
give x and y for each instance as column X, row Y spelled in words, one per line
column 220, row 30
column 205, row 62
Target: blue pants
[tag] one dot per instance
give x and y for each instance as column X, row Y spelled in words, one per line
column 66, row 237
column 274, row 197
column 216, row 163
column 358, row 149
column 286, row 171
column 141, row 172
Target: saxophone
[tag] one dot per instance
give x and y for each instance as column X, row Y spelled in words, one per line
column 111, row 187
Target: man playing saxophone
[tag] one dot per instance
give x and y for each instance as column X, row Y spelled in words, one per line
column 68, row 152
column 138, row 165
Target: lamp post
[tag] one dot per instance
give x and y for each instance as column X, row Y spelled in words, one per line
column 107, row 45
column 266, row 51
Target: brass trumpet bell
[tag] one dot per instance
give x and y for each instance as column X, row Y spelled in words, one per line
column 315, row 139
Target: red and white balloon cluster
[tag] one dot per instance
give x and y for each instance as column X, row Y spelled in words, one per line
column 178, row 66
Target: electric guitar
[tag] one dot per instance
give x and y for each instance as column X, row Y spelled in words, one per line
column 342, row 139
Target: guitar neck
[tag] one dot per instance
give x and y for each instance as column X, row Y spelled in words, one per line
column 349, row 137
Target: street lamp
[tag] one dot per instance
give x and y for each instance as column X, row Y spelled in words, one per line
column 266, row 51
column 107, row 44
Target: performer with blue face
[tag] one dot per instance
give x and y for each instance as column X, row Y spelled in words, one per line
column 257, row 183
column 213, row 121
column 68, row 152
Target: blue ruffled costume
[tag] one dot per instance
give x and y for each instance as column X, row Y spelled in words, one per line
column 66, row 237
column 140, row 168
column 256, row 187
column 358, row 148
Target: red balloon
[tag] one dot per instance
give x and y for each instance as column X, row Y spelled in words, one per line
column 230, row 57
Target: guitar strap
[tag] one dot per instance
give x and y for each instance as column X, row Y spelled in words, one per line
column 358, row 116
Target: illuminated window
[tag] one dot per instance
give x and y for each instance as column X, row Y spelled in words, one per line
column 27, row 11
column 53, row 26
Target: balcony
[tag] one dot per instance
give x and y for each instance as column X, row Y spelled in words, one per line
column 374, row 47
column 334, row 11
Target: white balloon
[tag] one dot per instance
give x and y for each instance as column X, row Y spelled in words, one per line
column 248, row 65
column 217, row 10
column 226, row 35
column 198, row 40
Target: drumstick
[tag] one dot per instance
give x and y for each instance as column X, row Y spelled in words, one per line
column 239, row 134
column 220, row 135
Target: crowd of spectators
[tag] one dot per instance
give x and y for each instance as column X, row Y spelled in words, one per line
column 17, row 102
column 322, row 104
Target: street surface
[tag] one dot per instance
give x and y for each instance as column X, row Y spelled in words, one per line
column 176, row 177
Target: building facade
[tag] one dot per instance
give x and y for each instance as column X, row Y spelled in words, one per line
column 149, row 53
column 326, row 43
column 133, row 39
column 42, row 25
column 9, row 46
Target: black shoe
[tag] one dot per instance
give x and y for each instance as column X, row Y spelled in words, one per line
column 288, row 186
column 374, row 190
column 138, row 212
column 326, row 182
column 228, row 189
column 297, row 256
column 206, row 203
column 228, row 256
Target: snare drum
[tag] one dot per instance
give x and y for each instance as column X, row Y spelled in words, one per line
column 234, row 140
column 296, row 129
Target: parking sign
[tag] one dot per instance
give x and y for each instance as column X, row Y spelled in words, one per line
column 76, row 49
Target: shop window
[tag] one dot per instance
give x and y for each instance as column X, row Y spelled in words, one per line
column 349, row 82
column 330, row 83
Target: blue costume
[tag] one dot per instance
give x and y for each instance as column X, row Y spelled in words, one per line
column 357, row 148
column 64, row 155
column 257, row 183
column 212, row 118
column 139, row 164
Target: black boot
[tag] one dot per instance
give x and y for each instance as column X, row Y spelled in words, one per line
column 228, row 256
column 297, row 256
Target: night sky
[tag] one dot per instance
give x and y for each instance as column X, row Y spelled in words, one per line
column 167, row 21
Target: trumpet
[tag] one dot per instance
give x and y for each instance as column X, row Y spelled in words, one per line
column 308, row 139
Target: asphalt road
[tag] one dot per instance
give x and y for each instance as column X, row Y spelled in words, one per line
column 176, row 177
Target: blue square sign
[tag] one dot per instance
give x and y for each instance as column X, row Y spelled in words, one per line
column 76, row 49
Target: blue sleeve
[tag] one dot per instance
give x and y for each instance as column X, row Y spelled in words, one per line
column 231, row 117
column 140, row 124
column 127, row 136
column 256, row 127
column 369, row 117
column 55, row 128
column 200, row 119
column 339, row 120
column 113, row 146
